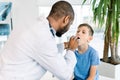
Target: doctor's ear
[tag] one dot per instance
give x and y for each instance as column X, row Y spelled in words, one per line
column 66, row 19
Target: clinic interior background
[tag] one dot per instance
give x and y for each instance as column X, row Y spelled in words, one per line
column 83, row 14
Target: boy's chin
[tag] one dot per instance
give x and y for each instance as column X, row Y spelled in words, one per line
column 79, row 44
column 78, row 40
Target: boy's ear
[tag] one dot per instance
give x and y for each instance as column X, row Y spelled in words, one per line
column 90, row 38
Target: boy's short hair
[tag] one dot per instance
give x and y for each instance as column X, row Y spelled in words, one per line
column 91, row 31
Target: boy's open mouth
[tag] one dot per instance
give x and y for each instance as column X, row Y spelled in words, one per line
column 78, row 37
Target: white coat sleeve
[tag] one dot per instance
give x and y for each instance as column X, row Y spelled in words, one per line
column 50, row 59
column 60, row 47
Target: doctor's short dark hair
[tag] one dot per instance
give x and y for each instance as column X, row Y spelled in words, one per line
column 60, row 9
column 91, row 31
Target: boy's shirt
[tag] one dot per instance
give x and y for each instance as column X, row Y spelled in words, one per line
column 84, row 61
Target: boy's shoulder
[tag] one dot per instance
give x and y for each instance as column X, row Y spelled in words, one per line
column 93, row 51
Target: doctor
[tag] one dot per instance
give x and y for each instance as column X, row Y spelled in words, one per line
column 29, row 54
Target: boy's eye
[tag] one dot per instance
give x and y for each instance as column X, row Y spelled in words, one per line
column 83, row 32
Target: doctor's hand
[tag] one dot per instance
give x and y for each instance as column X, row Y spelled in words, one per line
column 73, row 43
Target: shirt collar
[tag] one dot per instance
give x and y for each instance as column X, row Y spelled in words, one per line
column 52, row 30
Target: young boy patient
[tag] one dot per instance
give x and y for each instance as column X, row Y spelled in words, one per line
column 87, row 57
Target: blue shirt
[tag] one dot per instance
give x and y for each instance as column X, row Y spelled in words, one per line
column 84, row 62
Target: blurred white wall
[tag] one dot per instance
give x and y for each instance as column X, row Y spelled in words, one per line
column 50, row 2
